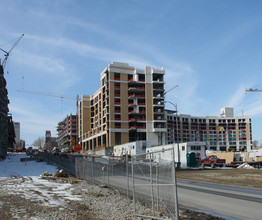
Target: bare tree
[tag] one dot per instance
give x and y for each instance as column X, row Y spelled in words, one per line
column 255, row 144
column 40, row 142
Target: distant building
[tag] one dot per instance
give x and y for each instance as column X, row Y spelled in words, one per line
column 128, row 107
column 224, row 133
column 67, row 132
column 22, row 143
column 11, row 133
column 17, row 134
column 50, row 142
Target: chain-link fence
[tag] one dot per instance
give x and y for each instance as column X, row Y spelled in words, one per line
column 146, row 178
column 109, row 171
column 154, row 182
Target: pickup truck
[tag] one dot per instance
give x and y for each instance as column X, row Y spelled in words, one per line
column 213, row 161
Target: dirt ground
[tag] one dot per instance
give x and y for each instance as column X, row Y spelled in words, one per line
column 249, row 178
column 97, row 203
column 17, row 206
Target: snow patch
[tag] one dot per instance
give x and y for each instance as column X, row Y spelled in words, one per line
column 245, row 166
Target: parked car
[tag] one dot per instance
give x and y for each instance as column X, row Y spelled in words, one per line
column 213, row 161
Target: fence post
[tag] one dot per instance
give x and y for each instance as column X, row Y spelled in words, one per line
column 152, row 186
column 175, row 186
column 108, row 172
column 133, row 185
column 93, row 170
column 83, row 167
column 127, row 176
column 157, row 180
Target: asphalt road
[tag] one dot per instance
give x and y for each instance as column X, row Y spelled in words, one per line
column 228, row 202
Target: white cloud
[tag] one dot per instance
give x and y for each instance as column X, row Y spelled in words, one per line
column 237, row 97
column 55, row 68
column 254, row 108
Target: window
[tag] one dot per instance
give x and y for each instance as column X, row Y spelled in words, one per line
column 117, row 76
column 117, row 138
column 195, row 147
column 117, row 125
column 183, row 148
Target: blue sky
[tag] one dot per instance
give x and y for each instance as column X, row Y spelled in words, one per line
column 211, row 49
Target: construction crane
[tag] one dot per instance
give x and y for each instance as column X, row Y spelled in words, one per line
column 170, row 89
column 48, row 94
column 7, row 54
column 77, row 98
column 252, row 90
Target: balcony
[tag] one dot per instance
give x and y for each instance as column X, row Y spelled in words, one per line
column 137, row 127
column 136, row 88
column 131, row 103
column 158, row 97
column 136, row 96
column 131, row 112
column 158, row 82
column 137, row 119
column 159, row 104
column 133, row 81
column 158, row 112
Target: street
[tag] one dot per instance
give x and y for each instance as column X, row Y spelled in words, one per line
column 229, row 202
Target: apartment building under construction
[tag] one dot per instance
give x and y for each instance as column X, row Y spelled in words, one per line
column 128, row 106
column 221, row 133
column 67, row 132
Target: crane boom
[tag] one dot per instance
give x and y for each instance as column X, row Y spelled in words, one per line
column 46, row 94
column 8, row 53
column 52, row 94
column 252, row 90
column 171, row 89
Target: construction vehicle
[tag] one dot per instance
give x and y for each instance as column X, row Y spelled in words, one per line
column 77, row 148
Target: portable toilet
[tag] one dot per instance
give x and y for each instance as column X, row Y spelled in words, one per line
column 191, row 159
